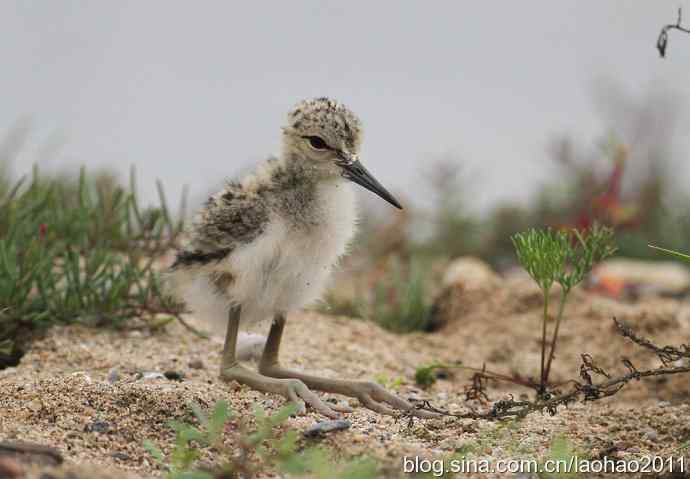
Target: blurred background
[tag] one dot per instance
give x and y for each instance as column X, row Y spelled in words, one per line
column 484, row 118
column 190, row 93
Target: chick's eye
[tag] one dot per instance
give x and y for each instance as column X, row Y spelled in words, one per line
column 317, row 143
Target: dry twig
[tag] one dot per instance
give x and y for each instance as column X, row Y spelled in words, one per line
column 662, row 41
column 585, row 389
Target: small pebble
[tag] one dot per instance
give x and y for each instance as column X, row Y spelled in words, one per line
column 98, row 426
column 35, row 405
column 651, row 435
column 113, row 376
column 150, row 375
column 196, row 364
column 120, row 455
column 325, row 427
column 450, row 444
column 84, row 375
column 173, row 375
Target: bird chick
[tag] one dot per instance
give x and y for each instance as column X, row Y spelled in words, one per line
column 267, row 244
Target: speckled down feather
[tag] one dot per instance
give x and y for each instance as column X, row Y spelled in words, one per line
column 269, row 241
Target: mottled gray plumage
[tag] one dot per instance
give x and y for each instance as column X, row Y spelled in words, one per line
column 266, row 245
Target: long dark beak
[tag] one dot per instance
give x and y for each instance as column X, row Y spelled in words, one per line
column 354, row 171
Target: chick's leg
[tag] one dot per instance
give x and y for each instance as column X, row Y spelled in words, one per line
column 370, row 394
column 293, row 389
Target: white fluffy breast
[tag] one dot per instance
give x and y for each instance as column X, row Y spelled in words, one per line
column 288, row 266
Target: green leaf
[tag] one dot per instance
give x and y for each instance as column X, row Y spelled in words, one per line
column 154, row 451
column 677, row 254
column 283, row 414
column 216, row 422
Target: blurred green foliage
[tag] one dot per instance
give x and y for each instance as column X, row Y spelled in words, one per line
column 77, row 250
column 400, row 301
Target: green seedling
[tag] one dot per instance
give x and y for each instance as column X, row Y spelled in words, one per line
column 425, row 376
column 388, row 382
column 264, row 447
column 562, row 257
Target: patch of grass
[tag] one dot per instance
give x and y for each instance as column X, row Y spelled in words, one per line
column 79, row 250
column 388, row 382
column 400, row 300
column 425, row 376
column 564, row 257
column 336, row 305
column 255, row 450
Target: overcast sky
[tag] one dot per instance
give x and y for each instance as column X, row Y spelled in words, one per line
column 193, row 92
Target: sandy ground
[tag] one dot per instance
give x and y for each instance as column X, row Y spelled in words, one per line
column 60, row 394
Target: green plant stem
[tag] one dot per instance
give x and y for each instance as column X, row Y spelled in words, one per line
column 554, row 339
column 543, row 339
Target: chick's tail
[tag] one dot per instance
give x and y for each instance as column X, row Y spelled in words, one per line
column 200, row 296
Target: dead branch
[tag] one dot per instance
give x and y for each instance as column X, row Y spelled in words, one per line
column 585, row 390
column 482, row 374
column 666, row 354
column 662, row 41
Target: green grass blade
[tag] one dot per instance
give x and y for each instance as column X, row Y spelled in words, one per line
column 677, row 254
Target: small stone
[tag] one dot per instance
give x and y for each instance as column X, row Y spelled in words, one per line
column 150, row 375
column 196, row 364
column 98, row 426
column 449, row 444
column 470, row 272
column 120, row 456
column 173, row 375
column 84, row 375
column 113, row 376
column 35, row 405
column 651, row 435
column 325, row 427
